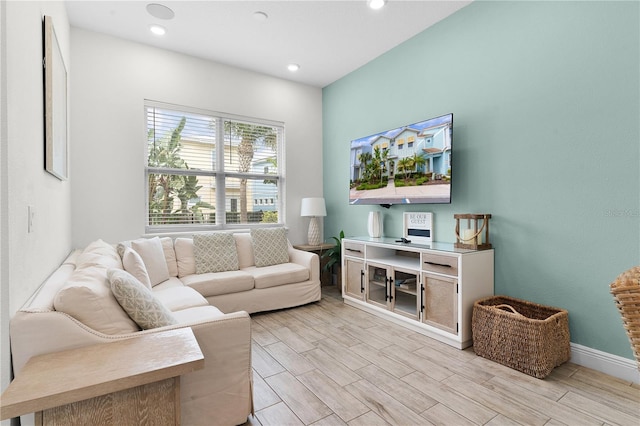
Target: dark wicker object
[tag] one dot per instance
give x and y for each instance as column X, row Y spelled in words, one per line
column 523, row 335
column 626, row 292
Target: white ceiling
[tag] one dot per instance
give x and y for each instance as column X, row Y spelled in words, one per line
column 328, row 39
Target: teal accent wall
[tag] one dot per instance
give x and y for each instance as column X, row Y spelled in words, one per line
column 546, row 104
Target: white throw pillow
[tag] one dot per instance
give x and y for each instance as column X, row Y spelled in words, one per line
column 245, row 249
column 138, row 301
column 184, row 256
column 270, row 246
column 215, row 252
column 134, row 265
column 170, row 255
column 152, row 254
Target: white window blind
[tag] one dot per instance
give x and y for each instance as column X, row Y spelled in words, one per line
column 206, row 170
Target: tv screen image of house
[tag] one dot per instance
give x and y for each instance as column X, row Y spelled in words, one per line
column 407, row 165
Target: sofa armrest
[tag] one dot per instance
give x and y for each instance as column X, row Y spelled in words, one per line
column 36, row 332
column 223, row 389
column 307, row 259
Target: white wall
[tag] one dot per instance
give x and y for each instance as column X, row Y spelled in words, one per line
column 5, row 373
column 113, row 77
column 28, row 258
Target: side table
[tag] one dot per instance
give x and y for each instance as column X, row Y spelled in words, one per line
column 325, row 276
column 130, row 381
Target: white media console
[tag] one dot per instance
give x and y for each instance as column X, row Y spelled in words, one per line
column 428, row 288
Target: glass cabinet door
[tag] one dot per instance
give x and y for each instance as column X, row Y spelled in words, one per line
column 393, row 289
column 405, row 294
column 377, row 285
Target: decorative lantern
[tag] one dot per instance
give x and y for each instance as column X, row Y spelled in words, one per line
column 474, row 234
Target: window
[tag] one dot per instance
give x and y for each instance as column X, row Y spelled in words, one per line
column 207, row 170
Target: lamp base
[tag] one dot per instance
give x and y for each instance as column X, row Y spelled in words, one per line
column 313, row 237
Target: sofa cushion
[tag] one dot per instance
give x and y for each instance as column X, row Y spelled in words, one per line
column 216, row 283
column 197, row 314
column 88, row 298
column 215, row 252
column 270, row 246
column 178, row 298
column 87, row 295
column 138, row 301
column 273, row 276
column 99, row 253
column 152, row 254
column 245, row 249
column 170, row 256
column 134, row 265
column 184, row 256
column 170, row 283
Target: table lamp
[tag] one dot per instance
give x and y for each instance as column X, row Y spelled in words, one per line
column 313, row 208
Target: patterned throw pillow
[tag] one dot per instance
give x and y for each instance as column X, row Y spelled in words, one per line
column 215, row 252
column 138, row 301
column 270, row 246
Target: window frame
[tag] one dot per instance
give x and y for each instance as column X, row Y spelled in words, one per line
column 219, row 175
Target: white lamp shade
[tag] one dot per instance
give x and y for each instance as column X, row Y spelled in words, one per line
column 313, row 207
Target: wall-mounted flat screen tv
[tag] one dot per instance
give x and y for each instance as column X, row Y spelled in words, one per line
column 407, row 165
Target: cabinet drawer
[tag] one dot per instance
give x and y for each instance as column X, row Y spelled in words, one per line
column 441, row 264
column 353, row 249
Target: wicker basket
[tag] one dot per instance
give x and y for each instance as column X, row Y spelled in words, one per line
column 626, row 292
column 522, row 335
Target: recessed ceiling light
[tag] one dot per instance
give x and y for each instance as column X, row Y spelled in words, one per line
column 260, row 16
column 293, row 67
column 160, row 11
column 376, row 4
column 158, row 30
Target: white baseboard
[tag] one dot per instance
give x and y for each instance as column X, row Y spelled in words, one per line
column 613, row 365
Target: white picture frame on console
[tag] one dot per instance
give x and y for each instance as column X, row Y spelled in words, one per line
column 418, row 227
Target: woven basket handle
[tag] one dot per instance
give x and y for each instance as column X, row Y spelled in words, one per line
column 509, row 307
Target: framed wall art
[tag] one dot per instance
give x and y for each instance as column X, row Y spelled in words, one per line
column 55, row 104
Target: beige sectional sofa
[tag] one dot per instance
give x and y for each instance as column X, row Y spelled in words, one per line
column 76, row 307
column 252, row 288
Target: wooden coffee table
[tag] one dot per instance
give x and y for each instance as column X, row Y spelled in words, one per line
column 131, row 381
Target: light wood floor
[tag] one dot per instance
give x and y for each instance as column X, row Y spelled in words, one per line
column 331, row 364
